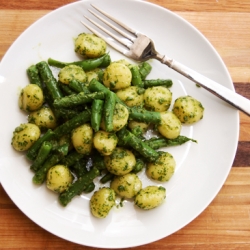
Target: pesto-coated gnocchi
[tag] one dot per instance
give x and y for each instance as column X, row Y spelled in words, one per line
column 170, row 125
column 131, row 96
column 102, row 202
column 188, row 109
column 126, row 186
column 89, row 45
column 150, row 197
column 59, row 178
column 157, row 98
column 163, row 168
column 71, row 72
column 31, row 98
column 24, row 136
column 105, row 142
column 43, row 118
column 120, row 118
column 117, row 76
column 82, row 139
column 120, row 162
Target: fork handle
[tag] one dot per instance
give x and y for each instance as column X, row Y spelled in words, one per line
column 231, row 97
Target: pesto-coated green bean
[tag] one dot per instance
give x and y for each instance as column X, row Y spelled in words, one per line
column 33, row 75
column 108, row 110
column 33, row 150
column 42, row 155
column 86, row 65
column 96, row 114
column 49, row 80
column 77, row 187
column 77, row 99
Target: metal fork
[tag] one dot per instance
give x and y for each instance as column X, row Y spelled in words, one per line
column 141, row 48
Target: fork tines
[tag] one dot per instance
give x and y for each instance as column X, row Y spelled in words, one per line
column 129, row 39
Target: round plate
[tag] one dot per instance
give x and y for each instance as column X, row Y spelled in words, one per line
column 201, row 167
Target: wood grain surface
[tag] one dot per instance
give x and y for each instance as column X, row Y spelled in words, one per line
column 225, row 223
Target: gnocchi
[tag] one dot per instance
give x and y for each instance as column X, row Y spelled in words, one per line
column 90, row 45
column 59, row 178
column 157, row 98
column 31, row 98
column 72, row 72
column 150, row 197
column 188, row 109
column 24, row 136
column 127, row 185
column 163, row 168
column 117, row 76
column 170, row 125
column 82, row 139
column 102, row 202
column 120, row 162
column 43, row 118
column 105, row 142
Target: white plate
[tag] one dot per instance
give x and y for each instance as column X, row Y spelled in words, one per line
column 201, row 168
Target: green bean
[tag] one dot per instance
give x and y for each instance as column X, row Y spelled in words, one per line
column 108, row 110
column 143, row 115
column 79, row 167
column 67, row 114
column 69, row 125
column 157, row 143
column 66, row 89
column 128, row 139
column 78, row 87
column 89, row 188
column 72, row 158
column 77, row 187
column 33, row 150
column 86, row 65
column 144, row 69
column 140, row 164
column 98, row 161
column 77, row 99
column 33, row 75
column 96, row 114
column 49, row 80
column 158, row 82
column 55, row 158
column 42, row 155
column 136, row 76
column 107, row 177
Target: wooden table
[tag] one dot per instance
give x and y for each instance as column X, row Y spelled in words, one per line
column 225, row 224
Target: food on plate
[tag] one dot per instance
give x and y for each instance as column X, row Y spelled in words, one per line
column 120, row 162
column 131, row 96
column 170, row 125
column 157, row 98
column 44, row 118
column 150, row 197
column 117, row 76
column 90, row 45
column 100, row 125
column 24, row 136
column 59, row 178
column 163, row 168
column 31, row 98
column 102, row 201
column 82, row 139
column 71, row 72
column 188, row 109
column 126, row 186
column 105, row 142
